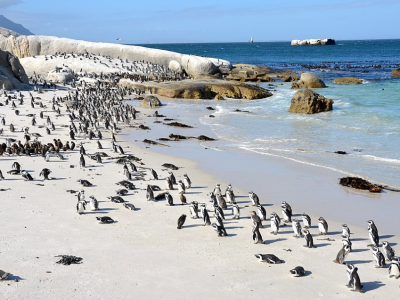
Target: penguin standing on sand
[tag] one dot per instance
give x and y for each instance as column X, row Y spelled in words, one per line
column 181, row 221
column 154, row 173
column 187, row 181
column 193, row 207
column 172, row 177
column 342, row 254
column 354, row 279
column 287, row 212
column 230, row 196
column 345, row 231
column 81, row 207
column 221, row 201
column 309, row 239
column 254, row 198
column 45, row 173
column 389, row 252
column 182, row 198
column 94, row 205
column 297, row 228
column 81, row 196
column 204, row 213
column 394, row 269
column 169, row 199
column 261, row 212
column 256, row 219
column 322, row 226
column 306, row 221
column 379, row 258
column 235, row 211
column 373, row 233
column 275, row 222
column 168, row 183
column 257, row 238
column 181, row 187
column 346, row 242
column 150, row 194
column 82, row 161
column 219, row 226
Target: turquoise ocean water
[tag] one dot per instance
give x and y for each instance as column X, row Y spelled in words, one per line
column 365, row 121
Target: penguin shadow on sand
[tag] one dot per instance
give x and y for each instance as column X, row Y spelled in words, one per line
column 322, row 245
column 271, row 241
column 356, row 262
column 359, row 250
column 13, row 277
column 371, row 285
column 384, row 237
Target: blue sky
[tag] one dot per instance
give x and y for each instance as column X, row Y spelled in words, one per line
column 181, row 21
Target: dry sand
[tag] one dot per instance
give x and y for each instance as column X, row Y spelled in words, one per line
column 143, row 255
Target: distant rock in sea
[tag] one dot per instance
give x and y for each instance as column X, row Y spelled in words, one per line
column 396, row 73
column 313, row 42
column 18, row 28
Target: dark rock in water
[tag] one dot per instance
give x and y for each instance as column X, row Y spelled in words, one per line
column 205, row 138
column 243, row 111
column 177, row 137
column 340, row 152
column 168, row 119
column 164, row 139
column 211, row 116
column 308, row 102
column 170, row 166
column 141, row 126
column 210, row 108
column 290, row 78
column 151, row 101
column 69, row 259
column 154, row 143
column 359, row 183
column 177, row 124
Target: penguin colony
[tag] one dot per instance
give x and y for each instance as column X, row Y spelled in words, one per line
column 92, row 117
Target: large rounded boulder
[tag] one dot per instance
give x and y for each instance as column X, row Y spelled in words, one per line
column 308, row 81
column 308, row 102
column 151, row 101
column 348, row 80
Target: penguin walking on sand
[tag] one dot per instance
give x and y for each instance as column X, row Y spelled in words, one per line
column 26, row 176
column 275, row 223
column 81, row 207
column 45, row 173
column 257, row 238
column 154, row 173
column 235, row 211
column 379, row 258
column 254, row 198
column 322, row 226
column 219, row 226
column 182, row 198
column 296, row 228
column 181, row 221
column 217, row 189
column 309, row 239
column 221, row 201
column 389, row 252
column 169, row 199
column 193, row 207
column 261, row 212
column 346, row 242
column 256, row 219
column 94, row 205
column 342, row 254
column 354, row 279
column 172, row 177
column 81, row 196
column 204, row 213
column 150, row 193
column 82, row 161
column 218, row 211
column 345, row 231
column 373, row 234
column 230, row 196
column 286, row 212
column 187, row 181
column 169, row 184
column 306, row 221
column 394, row 269
column 181, row 187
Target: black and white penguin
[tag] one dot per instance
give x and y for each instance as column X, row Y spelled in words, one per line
column 346, row 242
column 379, row 258
column 182, row 198
column 150, row 193
column 354, row 279
column 129, row 206
column 45, row 173
column 298, row 271
column 230, row 196
column 154, row 174
column 219, row 212
column 116, row 199
column 169, row 199
column 168, row 183
column 193, row 208
column 389, row 252
column 81, row 207
column 373, row 233
column 345, row 231
column 181, row 221
column 172, row 177
column 217, row 189
column 261, row 212
column 256, row 219
column 122, row 192
column 296, row 228
column 26, row 176
column 275, row 222
column 254, row 198
column 286, row 212
column 342, row 254
column 181, row 187
column 322, row 226
column 81, row 196
column 94, row 205
column 1, row 175
column 221, row 201
column 105, row 220
column 219, row 226
column 82, row 161
column 204, row 213
column 306, row 221
column 394, row 269
column 309, row 239
column 257, row 238
column 187, row 181
column 235, row 211
column 268, row 258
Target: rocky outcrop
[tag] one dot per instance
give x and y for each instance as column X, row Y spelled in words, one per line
column 309, row 102
column 308, row 81
column 396, row 73
column 12, row 74
column 201, row 89
column 313, row 42
column 290, row 78
column 348, row 80
column 27, row 46
column 61, row 76
column 151, row 101
column 253, row 73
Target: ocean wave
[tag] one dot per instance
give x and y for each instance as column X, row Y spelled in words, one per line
column 382, row 159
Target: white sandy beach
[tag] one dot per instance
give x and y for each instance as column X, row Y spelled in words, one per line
column 143, row 255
